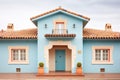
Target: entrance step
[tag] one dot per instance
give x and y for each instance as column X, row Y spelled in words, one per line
column 60, row 74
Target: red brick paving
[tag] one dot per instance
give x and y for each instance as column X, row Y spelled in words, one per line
column 32, row 76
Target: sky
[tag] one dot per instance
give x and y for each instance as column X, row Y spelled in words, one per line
column 100, row 12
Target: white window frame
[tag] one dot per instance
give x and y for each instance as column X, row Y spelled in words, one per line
column 18, row 62
column 94, row 61
column 55, row 25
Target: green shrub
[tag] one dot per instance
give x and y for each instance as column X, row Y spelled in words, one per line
column 79, row 64
column 41, row 64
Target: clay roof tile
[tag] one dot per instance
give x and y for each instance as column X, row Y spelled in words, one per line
column 32, row 34
column 57, row 10
column 100, row 34
column 21, row 34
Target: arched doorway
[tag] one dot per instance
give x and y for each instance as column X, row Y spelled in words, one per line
column 60, row 58
column 59, row 43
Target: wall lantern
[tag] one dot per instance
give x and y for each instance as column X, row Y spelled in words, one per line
column 73, row 25
column 45, row 25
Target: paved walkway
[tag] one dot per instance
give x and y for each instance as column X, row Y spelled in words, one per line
column 34, row 77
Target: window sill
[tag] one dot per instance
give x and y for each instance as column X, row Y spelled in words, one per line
column 98, row 62
column 25, row 62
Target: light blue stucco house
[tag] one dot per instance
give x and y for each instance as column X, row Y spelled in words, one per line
column 60, row 40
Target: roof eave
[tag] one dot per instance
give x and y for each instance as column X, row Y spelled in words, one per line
column 36, row 18
column 85, row 22
column 35, row 22
column 101, row 38
column 18, row 38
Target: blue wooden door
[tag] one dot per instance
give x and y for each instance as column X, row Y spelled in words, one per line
column 60, row 60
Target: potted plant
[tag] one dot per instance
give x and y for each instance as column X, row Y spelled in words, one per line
column 79, row 68
column 41, row 68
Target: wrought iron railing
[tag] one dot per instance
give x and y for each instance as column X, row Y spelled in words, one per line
column 59, row 31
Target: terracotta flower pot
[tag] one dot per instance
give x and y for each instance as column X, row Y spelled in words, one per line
column 79, row 70
column 40, row 70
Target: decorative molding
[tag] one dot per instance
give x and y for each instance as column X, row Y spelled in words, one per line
column 60, row 20
column 102, row 47
column 18, row 62
column 79, row 51
column 67, row 43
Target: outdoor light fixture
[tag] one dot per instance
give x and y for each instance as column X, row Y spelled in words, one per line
column 45, row 25
column 73, row 25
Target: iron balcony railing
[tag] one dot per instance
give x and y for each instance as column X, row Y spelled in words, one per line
column 61, row 34
column 59, row 31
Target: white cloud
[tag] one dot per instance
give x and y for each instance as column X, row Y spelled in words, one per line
column 19, row 11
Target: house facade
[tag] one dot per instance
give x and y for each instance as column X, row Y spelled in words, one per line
column 60, row 41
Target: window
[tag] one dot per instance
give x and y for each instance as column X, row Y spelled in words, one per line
column 60, row 26
column 102, row 55
column 18, row 55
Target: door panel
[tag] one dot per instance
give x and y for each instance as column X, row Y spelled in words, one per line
column 60, row 60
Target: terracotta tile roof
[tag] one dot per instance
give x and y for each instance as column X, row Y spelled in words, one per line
column 62, row 10
column 21, row 34
column 100, row 34
column 60, row 35
column 32, row 34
